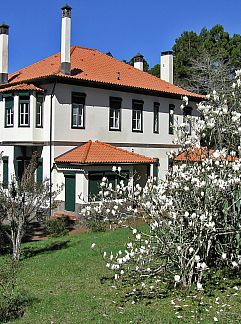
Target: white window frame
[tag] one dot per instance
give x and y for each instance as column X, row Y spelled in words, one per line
column 24, row 114
column 79, row 115
column 114, row 119
column 137, row 116
column 9, row 117
column 156, row 118
column 39, row 113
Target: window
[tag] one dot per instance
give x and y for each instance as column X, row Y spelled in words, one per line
column 40, row 170
column 5, row 171
column 171, row 119
column 187, row 113
column 156, row 117
column 78, row 110
column 39, row 111
column 24, row 111
column 137, row 116
column 115, row 114
column 9, row 111
column 95, row 179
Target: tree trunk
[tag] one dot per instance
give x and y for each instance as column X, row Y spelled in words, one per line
column 16, row 244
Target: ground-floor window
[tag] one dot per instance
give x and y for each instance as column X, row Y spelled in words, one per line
column 95, row 179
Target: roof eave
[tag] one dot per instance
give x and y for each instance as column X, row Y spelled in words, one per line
column 105, row 85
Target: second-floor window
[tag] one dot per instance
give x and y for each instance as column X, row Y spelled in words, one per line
column 9, row 112
column 39, row 111
column 78, row 110
column 171, row 119
column 24, row 111
column 156, row 117
column 115, row 114
column 137, row 116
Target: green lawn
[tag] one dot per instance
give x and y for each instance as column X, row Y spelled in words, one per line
column 66, row 287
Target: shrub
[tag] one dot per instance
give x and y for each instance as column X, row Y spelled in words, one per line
column 96, row 226
column 56, row 227
column 12, row 301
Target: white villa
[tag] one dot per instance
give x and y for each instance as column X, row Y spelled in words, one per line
column 84, row 111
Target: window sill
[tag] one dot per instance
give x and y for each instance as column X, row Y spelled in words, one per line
column 77, row 127
column 137, row 130
column 114, row 129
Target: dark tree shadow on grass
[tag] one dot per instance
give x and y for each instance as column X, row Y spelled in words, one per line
column 28, row 252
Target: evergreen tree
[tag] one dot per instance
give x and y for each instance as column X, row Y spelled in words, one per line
column 206, row 61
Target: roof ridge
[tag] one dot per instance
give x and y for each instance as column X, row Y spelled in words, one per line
column 88, row 144
column 121, row 149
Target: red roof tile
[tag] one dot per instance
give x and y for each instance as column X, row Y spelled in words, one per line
column 195, row 154
column 98, row 152
column 21, row 87
column 94, row 66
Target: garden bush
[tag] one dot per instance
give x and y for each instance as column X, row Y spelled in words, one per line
column 56, row 227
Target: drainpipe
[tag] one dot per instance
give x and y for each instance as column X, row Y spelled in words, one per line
column 50, row 146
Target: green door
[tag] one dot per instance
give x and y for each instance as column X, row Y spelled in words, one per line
column 70, row 192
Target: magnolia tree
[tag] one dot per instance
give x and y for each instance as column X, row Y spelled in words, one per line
column 194, row 215
column 20, row 203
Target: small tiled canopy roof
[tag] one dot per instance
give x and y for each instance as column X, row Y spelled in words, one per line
column 91, row 65
column 195, row 154
column 21, row 87
column 101, row 153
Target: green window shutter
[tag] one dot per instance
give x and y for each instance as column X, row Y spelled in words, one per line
column 6, row 95
column 5, row 171
column 95, row 179
column 69, row 191
column 40, row 171
column 8, row 102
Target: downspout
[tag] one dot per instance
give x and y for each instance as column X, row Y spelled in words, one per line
column 50, row 147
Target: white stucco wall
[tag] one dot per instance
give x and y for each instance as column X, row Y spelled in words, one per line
column 96, row 128
column 97, row 122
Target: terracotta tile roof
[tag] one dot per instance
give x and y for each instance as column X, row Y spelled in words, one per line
column 94, row 66
column 21, row 87
column 98, row 152
column 198, row 154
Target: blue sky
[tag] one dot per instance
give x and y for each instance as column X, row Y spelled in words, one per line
column 122, row 27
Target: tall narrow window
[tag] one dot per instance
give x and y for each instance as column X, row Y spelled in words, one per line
column 156, row 117
column 171, row 119
column 137, row 116
column 40, row 170
column 78, row 110
column 5, row 171
column 115, row 114
column 9, row 112
column 24, row 111
column 39, row 111
column 187, row 113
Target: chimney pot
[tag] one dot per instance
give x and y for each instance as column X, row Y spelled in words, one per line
column 166, row 66
column 65, row 67
column 139, row 61
column 4, row 53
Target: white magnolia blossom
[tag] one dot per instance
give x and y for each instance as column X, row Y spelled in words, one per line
column 193, row 215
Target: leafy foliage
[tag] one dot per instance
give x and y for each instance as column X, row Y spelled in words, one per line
column 56, row 227
column 206, row 60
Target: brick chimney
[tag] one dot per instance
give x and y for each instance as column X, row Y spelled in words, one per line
column 65, row 40
column 138, row 61
column 166, row 66
column 4, row 53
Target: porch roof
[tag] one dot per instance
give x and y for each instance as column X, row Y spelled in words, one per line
column 96, row 152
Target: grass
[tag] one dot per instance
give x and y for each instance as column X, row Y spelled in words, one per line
column 64, row 280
